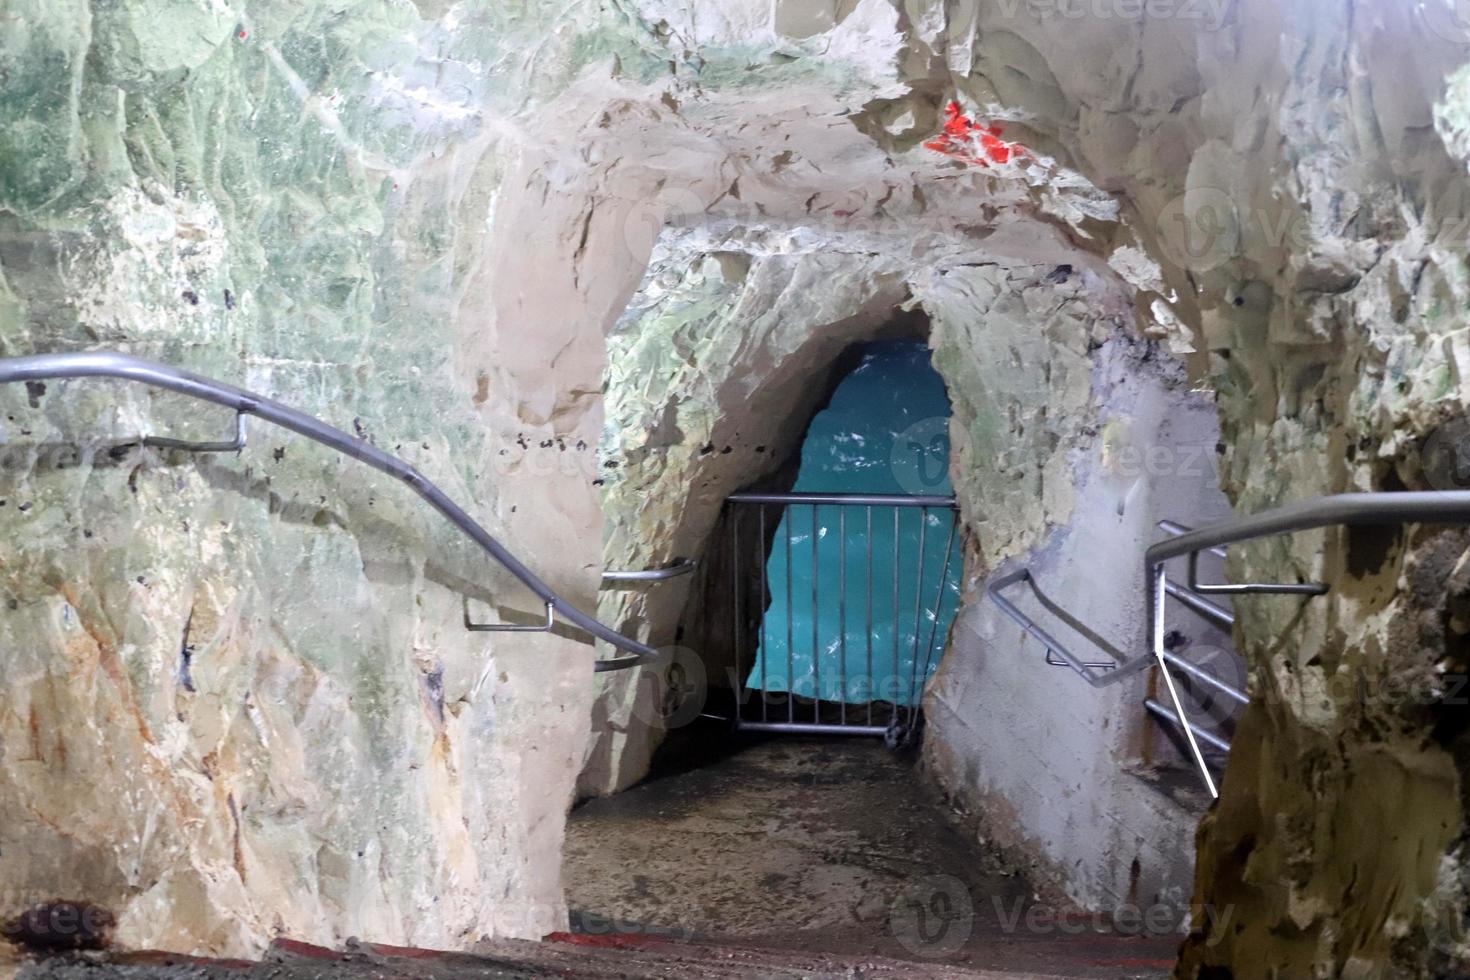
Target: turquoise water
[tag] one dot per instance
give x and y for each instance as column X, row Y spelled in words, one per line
column 885, row 431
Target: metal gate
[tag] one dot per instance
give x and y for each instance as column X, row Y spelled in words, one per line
column 850, row 656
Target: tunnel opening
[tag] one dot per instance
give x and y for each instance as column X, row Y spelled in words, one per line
column 843, row 596
column 713, row 444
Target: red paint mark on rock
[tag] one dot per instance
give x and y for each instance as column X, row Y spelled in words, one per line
column 243, row 35
column 309, row 951
column 970, row 142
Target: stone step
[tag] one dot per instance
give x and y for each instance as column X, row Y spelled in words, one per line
column 599, row 957
column 565, row 955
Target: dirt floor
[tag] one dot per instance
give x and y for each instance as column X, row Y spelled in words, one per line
column 832, row 845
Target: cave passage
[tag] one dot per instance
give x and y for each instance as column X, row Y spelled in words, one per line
column 885, row 431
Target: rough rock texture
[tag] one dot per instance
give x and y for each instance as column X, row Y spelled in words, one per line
column 239, row 701
column 426, row 215
column 1290, row 170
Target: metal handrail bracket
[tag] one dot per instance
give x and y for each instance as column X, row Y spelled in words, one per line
column 679, row 566
column 234, row 445
column 1112, row 671
column 1249, row 588
column 112, row 364
column 545, row 627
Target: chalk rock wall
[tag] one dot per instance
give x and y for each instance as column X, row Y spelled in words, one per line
column 1069, row 775
column 239, row 700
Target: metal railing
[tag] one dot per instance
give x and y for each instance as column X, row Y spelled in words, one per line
column 109, row 364
column 870, row 707
column 1345, row 510
column 1109, row 672
column 1221, row 618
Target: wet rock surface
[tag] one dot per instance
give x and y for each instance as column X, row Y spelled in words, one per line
column 838, row 846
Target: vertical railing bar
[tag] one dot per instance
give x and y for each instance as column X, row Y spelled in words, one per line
column 790, row 522
column 918, row 612
column 816, row 650
column 842, row 614
column 738, row 681
column 939, row 599
column 1156, row 634
column 893, row 680
column 765, row 647
column 872, row 695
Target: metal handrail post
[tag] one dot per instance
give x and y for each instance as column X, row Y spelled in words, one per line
column 1344, row 509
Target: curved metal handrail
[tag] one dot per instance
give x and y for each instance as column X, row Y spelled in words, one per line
column 1344, row 509
column 111, row 364
column 680, row 566
column 1111, row 671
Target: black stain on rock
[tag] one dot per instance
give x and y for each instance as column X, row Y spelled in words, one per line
column 60, row 925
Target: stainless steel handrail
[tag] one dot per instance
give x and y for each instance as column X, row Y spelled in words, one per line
column 1344, row 509
column 111, row 364
column 844, row 499
column 680, row 566
column 1089, row 670
column 1176, row 529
